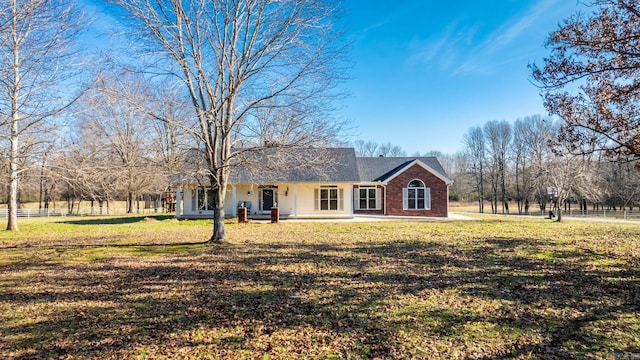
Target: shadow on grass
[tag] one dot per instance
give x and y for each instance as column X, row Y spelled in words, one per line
column 245, row 299
column 63, row 247
column 118, row 220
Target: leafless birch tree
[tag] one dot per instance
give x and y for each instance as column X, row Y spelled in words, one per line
column 36, row 71
column 236, row 57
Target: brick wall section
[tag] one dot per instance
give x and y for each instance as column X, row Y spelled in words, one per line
column 369, row 212
column 438, row 187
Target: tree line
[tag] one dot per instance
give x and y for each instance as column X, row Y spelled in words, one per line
column 528, row 164
column 111, row 148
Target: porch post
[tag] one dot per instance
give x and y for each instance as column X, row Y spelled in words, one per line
column 384, row 198
column 447, row 212
column 351, row 191
column 295, row 200
column 178, row 201
column 234, row 201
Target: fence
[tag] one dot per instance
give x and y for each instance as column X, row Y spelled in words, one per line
column 617, row 214
column 85, row 211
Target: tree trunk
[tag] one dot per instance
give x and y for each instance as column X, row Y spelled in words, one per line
column 556, row 207
column 218, row 235
column 129, row 203
column 559, row 212
column 12, row 216
column 41, row 193
column 47, row 199
column 481, row 191
column 503, row 189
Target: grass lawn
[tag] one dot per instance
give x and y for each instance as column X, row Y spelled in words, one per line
column 144, row 288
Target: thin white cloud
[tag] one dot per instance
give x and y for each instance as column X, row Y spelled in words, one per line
column 511, row 30
column 443, row 50
column 478, row 59
column 390, row 17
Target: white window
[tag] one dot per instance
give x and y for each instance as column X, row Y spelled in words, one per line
column 328, row 198
column 201, row 199
column 367, row 198
column 416, row 196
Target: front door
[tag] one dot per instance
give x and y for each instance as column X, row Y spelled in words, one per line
column 268, row 199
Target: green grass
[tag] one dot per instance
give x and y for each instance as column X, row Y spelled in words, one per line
column 146, row 288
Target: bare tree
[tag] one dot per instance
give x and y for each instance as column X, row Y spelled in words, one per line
column 474, row 141
column 397, row 151
column 169, row 112
column 520, row 161
column 531, row 151
column 384, row 149
column 540, row 135
column 463, row 181
column 591, row 79
column 36, row 73
column 366, row 148
column 372, row 148
column 498, row 137
column 566, row 175
column 121, row 129
column 621, row 184
column 234, row 58
column 388, row 149
column 84, row 171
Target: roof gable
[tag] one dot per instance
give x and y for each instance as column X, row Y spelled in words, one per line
column 384, row 169
column 421, row 164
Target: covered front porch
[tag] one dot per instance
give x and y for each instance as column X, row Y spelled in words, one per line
column 295, row 201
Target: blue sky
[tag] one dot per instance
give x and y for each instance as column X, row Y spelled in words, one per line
column 425, row 71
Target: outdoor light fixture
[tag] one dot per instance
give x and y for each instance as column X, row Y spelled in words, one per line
column 248, row 193
column 286, row 192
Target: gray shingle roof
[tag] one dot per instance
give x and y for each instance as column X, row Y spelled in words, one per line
column 311, row 165
column 382, row 168
column 319, row 165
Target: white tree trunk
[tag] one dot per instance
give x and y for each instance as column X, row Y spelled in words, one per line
column 12, row 216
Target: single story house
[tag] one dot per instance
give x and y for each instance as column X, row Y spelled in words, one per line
column 340, row 188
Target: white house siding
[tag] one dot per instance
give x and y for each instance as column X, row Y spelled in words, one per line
column 288, row 195
column 306, row 200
